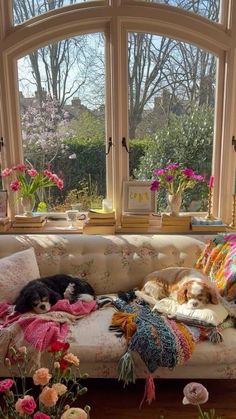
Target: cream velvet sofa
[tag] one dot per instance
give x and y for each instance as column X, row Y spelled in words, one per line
column 120, row 262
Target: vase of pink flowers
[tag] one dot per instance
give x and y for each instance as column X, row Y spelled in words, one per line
column 175, row 179
column 26, row 181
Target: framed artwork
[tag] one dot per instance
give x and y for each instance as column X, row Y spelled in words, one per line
column 138, row 198
column 3, row 203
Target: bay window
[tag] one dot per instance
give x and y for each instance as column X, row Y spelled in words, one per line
column 105, row 91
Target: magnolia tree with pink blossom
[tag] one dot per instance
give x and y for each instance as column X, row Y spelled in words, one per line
column 44, row 131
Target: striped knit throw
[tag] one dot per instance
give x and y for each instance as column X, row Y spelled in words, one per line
column 218, row 261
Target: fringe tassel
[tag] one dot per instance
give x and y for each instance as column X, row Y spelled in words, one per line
column 126, row 322
column 215, row 336
column 126, row 369
column 149, row 391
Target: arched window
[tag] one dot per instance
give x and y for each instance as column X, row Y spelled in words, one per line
column 119, row 76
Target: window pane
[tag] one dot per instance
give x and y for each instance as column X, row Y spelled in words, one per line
column 23, row 10
column 62, row 118
column 207, row 8
column 171, row 111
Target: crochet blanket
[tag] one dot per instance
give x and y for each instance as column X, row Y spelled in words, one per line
column 218, row 261
column 160, row 341
column 38, row 331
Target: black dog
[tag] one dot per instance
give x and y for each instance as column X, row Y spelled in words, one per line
column 40, row 294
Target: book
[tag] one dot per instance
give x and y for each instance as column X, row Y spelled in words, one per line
column 206, row 221
column 135, row 225
column 99, row 213
column 100, row 222
column 131, row 218
column 31, row 219
column 4, row 220
column 176, row 228
column 99, row 229
column 209, row 227
column 28, row 224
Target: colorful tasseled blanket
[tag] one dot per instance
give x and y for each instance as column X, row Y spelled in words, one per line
column 160, row 341
column 218, row 261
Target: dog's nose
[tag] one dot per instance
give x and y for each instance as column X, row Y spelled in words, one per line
column 195, row 304
column 42, row 306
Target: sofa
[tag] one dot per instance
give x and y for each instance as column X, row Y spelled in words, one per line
column 120, row 262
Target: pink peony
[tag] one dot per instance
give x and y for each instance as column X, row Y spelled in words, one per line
column 195, row 393
column 15, row 185
column 6, row 384
column 40, row 415
column 26, row 405
column 21, row 167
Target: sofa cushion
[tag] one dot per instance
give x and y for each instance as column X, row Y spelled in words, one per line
column 15, row 272
column 212, row 314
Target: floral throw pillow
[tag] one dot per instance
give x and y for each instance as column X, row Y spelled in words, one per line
column 16, row 271
column 218, row 261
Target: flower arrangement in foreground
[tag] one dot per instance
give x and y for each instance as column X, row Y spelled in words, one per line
column 59, row 387
column 26, row 180
column 175, row 178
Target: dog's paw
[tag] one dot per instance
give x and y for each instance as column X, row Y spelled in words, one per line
column 69, row 291
column 86, row 297
column 138, row 294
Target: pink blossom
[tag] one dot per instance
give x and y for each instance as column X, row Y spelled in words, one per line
column 6, row 172
column 158, row 172
column 32, row 172
column 171, row 166
column 40, row 415
column 15, row 185
column 154, row 185
column 200, row 178
column 188, row 172
column 60, row 184
column 54, row 178
column 47, row 173
column 21, row 167
column 26, row 405
column 168, row 178
column 195, row 393
column 6, row 384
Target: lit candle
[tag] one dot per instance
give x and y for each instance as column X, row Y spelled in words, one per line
column 211, row 182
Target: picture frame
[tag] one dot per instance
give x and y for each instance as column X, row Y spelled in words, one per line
column 138, row 197
column 3, row 203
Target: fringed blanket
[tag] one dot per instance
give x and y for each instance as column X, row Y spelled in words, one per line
column 160, row 341
column 38, row 331
column 218, row 261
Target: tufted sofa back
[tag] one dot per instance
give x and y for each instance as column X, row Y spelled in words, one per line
column 109, row 263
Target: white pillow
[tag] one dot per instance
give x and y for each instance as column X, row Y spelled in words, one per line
column 212, row 314
column 16, row 271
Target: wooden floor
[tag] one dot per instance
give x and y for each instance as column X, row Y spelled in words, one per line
column 109, row 400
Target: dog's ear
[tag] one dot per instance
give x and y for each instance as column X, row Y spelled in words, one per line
column 182, row 294
column 213, row 296
column 22, row 304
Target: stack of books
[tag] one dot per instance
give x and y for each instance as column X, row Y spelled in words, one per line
column 99, row 222
column 24, row 223
column 176, row 224
column 139, row 223
column 205, row 224
column 5, row 224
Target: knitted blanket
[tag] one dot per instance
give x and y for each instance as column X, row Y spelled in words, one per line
column 218, row 261
column 160, row 341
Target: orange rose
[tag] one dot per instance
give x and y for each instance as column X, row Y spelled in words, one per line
column 60, row 388
column 41, row 376
column 48, row 396
column 71, row 359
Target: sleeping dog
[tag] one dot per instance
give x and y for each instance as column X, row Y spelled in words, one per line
column 40, row 294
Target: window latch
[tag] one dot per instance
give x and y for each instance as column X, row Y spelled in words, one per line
column 109, row 145
column 234, row 142
column 1, row 143
column 124, row 144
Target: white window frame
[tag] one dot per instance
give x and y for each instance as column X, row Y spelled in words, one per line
column 116, row 18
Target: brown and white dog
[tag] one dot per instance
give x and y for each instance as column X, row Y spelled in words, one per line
column 184, row 285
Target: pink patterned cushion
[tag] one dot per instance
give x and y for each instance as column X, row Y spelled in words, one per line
column 16, row 271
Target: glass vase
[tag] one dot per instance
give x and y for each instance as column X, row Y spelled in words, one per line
column 28, row 203
column 174, row 202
